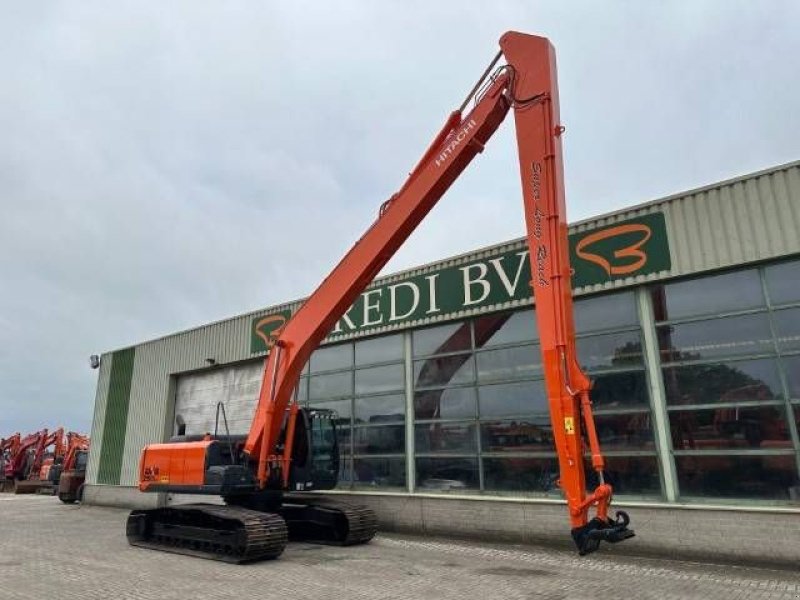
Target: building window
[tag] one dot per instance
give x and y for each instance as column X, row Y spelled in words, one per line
column 725, row 378
column 482, row 419
column 364, row 384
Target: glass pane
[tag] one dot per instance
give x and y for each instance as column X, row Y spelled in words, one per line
column 302, row 389
column 605, row 312
column 328, row 358
column 787, row 327
column 610, row 350
column 636, row 475
column 755, row 427
column 386, row 439
column 343, row 436
column 739, row 290
column 791, row 367
column 782, row 282
column 380, row 409
column 797, row 417
column 380, row 379
column 521, row 475
column 732, row 336
column 331, row 385
column 438, row 340
column 380, row 472
column 342, row 407
column 447, row 474
column 621, row 390
column 452, row 403
column 532, row 434
column 511, row 399
column 722, row 382
column 506, row 328
column 445, row 370
column 379, row 349
column 456, row 438
column 345, row 472
column 760, row 477
column 625, row 432
column 520, row 362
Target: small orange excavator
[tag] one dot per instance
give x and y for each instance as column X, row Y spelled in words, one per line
column 72, row 472
column 8, row 450
column 291, row 449
column 35, row 477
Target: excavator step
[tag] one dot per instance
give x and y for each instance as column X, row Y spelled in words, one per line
column 226, row 533
column 329, row 522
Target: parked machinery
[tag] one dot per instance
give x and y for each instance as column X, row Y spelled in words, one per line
column 29, row 478
column 8, row 450
column 72, row 473
column 290, row 449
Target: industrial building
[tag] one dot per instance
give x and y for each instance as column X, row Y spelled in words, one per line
column 688, row 319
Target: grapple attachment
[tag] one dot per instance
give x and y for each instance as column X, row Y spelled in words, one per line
column 588, row 537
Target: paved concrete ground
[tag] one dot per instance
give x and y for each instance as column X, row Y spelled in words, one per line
column 49, row 550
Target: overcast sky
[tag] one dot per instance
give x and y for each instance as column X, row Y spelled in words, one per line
column 166, row 164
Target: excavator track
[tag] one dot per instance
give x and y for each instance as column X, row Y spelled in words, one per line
column 226, row 533
column 329, row 522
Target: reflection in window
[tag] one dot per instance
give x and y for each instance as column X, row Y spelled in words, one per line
column 610, row 350
column 787, row 328
column 385, row 439
column 447, row 474
column 524, row 474
column 735, row 427
column 605, row 312
column 439, row 340
column 302, row 389
column 519, row 362
column 374, row 380
column 791, row 366
column 328, row 358
column 444, row 370
column 379, row 349
column 380, row 409
column 751, row 380
column 452, row 403
column 629, row 431
column 506, row 328
column 729, row 292
column 628, row 475
column 782, row 282
column 509, row 399
column 619, row 390
column 731, row 336
column 721, row 476
column 343, row 437
column 453, row 438
column 534, row 434
column 331, row 385
column 379, row 472
column 342, row 408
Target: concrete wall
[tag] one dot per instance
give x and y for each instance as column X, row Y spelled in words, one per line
column 766, row 536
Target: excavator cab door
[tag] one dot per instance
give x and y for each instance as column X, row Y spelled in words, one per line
column 315, row 453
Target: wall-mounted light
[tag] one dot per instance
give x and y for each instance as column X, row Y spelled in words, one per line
column 94, row 361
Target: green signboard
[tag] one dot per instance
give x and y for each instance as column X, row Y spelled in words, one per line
column 627, row 248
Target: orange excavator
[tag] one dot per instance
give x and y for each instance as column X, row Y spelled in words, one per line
column 290, row 449
column 34, row 478
column 72, row 472
column 8, row 450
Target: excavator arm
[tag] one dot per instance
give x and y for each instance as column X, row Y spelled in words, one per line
column 527, row 84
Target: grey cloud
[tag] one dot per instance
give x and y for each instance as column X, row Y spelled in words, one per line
column 165, row 165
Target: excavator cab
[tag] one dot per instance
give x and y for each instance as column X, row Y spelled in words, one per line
column 315, row 455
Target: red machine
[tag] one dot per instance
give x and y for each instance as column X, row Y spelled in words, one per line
column 73, row 470
column 289, row 448
column 34, row 477
column 8, row 449
column 21, row 464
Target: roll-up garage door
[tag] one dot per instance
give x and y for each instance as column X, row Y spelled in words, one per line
column 197, row 396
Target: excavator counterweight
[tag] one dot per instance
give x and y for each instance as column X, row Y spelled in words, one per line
column 291, row 449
